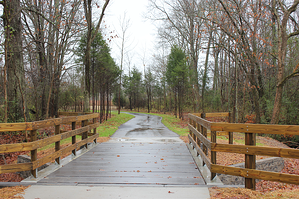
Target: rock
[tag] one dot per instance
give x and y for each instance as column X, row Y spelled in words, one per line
column 26, row 159
column 274, row 164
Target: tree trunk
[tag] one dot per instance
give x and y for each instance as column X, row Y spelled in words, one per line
column 175, row 103
column 14, row 58
column 204, row 79
column 282, row 48
column 107, row 105
column 164, row 90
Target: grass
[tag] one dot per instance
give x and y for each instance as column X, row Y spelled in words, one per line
column 172, row 123
column 109, row 127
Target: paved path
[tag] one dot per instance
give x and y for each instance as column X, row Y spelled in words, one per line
column 143, row 125
column 143, row 158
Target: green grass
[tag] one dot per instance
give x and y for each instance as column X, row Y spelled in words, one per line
column 172, row 123
column 109, row 127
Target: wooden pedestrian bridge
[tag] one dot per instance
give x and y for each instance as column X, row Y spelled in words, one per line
column 146, row 155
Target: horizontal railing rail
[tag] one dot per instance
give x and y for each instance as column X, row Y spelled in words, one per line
column 34, row 144
column 198, row 128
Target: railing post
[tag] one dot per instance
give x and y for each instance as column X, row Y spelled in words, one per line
column 213, row 153
column 204, row 133
column 74, row 138
column 57, row 144
column 190, row 132
column 33, row 152
column 250, row 160
column 198, row 127
column 95, row 130
column 230, row 134
column 194, row 125
column 84, row 135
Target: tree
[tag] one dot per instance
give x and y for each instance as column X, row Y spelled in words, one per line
column 149, row 84
column 15, row 106
column 182, row 26
column 103, row 73
column 176, row 75
column 133, row 88
column 50, row 30
column 90, row 37
column 123, row 36
column 282, row 16
column 240, row 26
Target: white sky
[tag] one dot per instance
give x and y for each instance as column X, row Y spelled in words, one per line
column 141, row 32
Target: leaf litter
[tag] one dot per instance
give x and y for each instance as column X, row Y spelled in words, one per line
column 12, row 192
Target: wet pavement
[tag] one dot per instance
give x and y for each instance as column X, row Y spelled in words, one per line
column 143, row 155
column 144, row 125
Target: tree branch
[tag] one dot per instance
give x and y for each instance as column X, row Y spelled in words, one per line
column 293, row 74
column 100, row 20
column 293, row 34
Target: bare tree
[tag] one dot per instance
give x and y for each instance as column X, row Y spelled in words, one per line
column 124, row 26
column 90, row 37
column 182, row 21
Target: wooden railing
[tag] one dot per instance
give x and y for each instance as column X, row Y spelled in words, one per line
column 226, row 115
column 198, row 137
column 34, row 144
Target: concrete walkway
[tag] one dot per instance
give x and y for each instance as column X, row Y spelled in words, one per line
column 143, row 159
column 114, row 192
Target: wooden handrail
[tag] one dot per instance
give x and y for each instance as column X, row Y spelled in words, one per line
column 256, row 128
column 255, row 150
column 28, row 146
column 28, row 126
column 36, row 144
column 205, row 123
column 256, row 174
column 196, row 126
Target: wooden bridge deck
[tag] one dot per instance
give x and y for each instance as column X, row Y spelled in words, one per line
column 130, row 163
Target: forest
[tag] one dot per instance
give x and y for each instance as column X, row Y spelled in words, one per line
column 211, row 56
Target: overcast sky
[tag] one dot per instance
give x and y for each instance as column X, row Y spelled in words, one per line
column 141, row 33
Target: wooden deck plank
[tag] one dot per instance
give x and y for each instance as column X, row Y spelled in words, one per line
column 131, row 163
